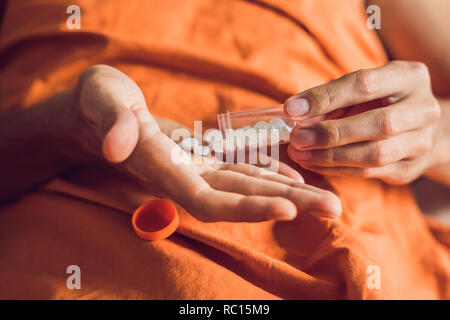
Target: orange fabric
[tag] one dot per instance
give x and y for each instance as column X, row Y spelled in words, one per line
column 194, row 59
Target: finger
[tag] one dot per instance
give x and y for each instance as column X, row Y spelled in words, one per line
column 121, row 138
column 379, row 153
column 286, row 174
column 398, row 173
column 147, row 124
column 397, row 78
column 374, row 124
column 280, row 179
column 177, row 179
column 285, row 170
column 216, row 205
column 306, row 200
column 272, row 166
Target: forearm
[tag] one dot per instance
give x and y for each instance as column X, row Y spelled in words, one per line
column 34, row 144
column 440, row 170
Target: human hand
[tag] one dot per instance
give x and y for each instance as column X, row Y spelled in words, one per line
column 112, row 123
column 394, row 142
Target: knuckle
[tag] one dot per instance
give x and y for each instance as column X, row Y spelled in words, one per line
column 367, row 81
column 398, row 63
column 93, row 71
column 409, row 168
column 420, row 69
column 425, row 143
column 379, row 156
column 424, row 148
column 332, row 134
column 386, row 124
column 329, row 97
column 429, row 139
column 433, row 109
column 291, row 193
column 323, row 99
column 328, row 155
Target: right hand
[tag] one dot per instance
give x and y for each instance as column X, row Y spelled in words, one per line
column 112, row 123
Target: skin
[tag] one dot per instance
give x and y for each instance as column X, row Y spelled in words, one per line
column 105, row 119
column 407, row 135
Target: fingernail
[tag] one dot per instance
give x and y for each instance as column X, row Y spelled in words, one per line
column 304, row 138
column 297, row 107
column 301, row 155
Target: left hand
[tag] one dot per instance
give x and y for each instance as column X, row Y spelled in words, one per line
column 394, row 142
column 111, row 124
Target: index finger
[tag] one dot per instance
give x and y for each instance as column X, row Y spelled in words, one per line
column 397, row 78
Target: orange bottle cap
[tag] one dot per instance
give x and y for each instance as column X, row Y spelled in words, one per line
column 155, row 220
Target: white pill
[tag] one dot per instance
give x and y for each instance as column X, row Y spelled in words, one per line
column 261, row 125
column 202, row 150
column 239, row 132
column 211, row 135
column 251, row 137
column 263, row 138
column 189, row 143
column 206, row 150
column 250, row 132
column 274, row 136
column 284, row 133
column 228, row 145
column 218, row 146
column 240, row 136
column 276, row 123
column 252, row 144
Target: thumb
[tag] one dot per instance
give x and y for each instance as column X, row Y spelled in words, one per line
column 148, row 126
column 121, row 138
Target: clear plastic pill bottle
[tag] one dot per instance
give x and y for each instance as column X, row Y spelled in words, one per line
column 271, row 118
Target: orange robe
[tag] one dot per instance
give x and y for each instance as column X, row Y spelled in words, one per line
column 194, row 59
